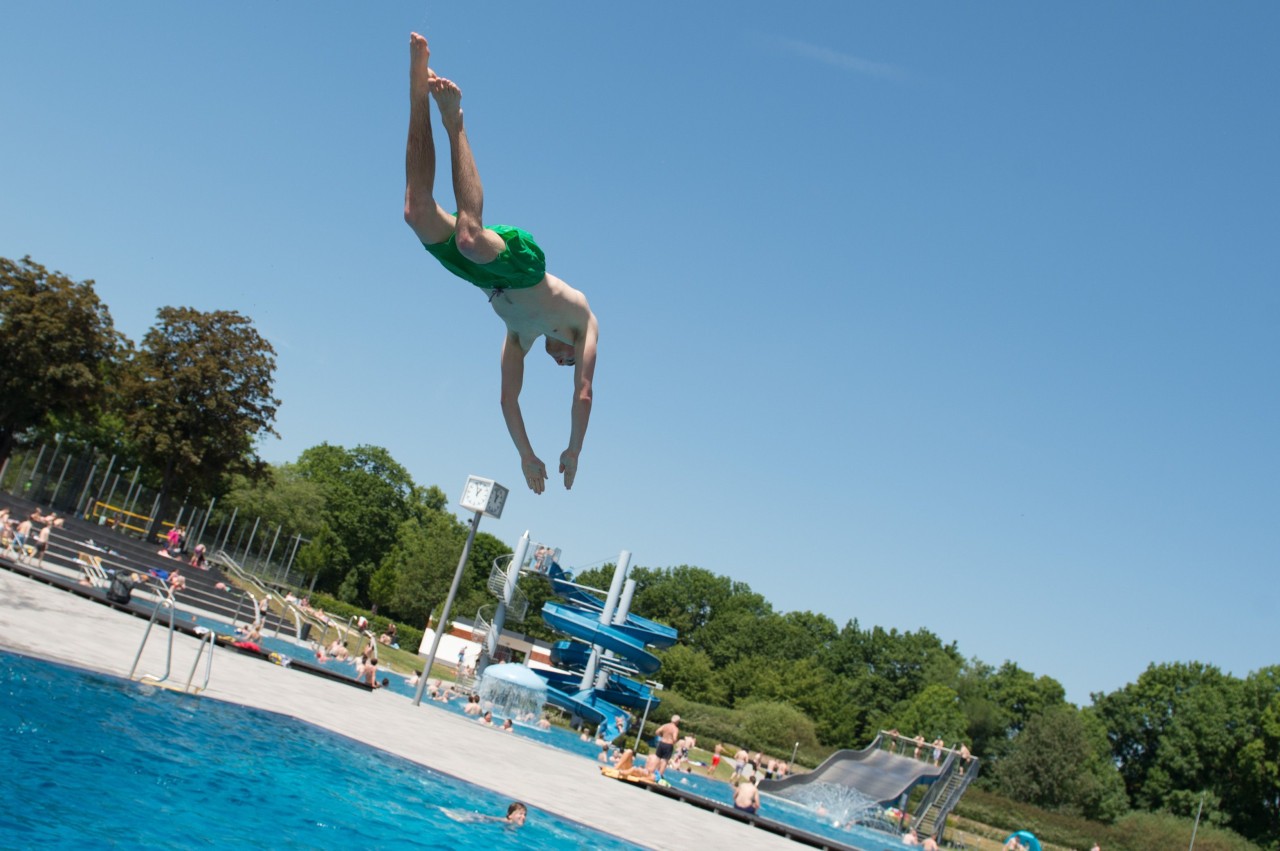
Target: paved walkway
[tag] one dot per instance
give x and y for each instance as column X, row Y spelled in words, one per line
column 41, row 621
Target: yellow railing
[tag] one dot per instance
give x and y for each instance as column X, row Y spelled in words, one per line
column 114, row 516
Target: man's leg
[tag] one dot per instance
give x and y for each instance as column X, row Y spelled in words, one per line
column 474, row 242
column 427, row 218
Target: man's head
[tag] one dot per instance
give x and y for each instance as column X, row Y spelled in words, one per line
column 561, row 353
column 516, row 813
column 675, row 719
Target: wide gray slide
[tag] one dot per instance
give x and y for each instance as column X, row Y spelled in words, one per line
column 876, row 773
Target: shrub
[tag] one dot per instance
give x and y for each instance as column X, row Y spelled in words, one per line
column 1141, row 831
column 408, row 637
column 772, row 728
column 1134, row 832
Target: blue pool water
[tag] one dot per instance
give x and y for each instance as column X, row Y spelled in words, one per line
column 91, row 761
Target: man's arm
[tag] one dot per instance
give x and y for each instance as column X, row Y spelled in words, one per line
column 535, row 472
column 584, row 372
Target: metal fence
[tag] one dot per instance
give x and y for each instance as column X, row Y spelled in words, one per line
column 103, row 489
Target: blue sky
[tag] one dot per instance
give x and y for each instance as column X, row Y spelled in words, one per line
column 930, row 315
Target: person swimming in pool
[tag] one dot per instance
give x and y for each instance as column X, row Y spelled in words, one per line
column 515, row 817
column 503, row 261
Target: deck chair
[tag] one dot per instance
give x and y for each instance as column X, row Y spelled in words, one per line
column 91, row 566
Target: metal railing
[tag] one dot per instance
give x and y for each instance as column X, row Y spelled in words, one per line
column 287, row 607
column 944, row 793
column 519, row 605
column 206, row 642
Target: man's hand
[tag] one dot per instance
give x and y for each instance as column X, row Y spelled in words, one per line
column 535, row 473
column 569, row 466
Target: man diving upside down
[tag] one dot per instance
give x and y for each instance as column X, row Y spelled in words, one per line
column 502, row 261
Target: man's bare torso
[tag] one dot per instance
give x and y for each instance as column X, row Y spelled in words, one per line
column 552, row 308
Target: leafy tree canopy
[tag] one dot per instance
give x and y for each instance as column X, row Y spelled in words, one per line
column 1177, row 732
column 1062, row 762
column 198, row 396
column 58, row 347
column 367, row 496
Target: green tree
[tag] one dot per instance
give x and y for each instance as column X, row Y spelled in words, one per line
column 987, row 722
column 691, row 673
column 1176, row 733
column 1023, row 695
column 934, row 712
column 367, row 496
column 1061, row 761
column 426, row 500
column 684, row 597
column 422, row 561
column 1259, row 761
column 878, row 670
column 282, row 496
column 776, row 727
column 320, row 556
column 198, row 397
column 58, row 349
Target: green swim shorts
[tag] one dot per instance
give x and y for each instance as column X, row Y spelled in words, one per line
column 520, row 265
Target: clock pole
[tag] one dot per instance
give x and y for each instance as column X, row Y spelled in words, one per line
column 482, row 496
column 448, row 604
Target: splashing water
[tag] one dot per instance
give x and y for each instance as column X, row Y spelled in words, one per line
column 514, row 691
column 842, row 804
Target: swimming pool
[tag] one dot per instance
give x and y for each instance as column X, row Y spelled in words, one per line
column 792, row 813
column 93, row 761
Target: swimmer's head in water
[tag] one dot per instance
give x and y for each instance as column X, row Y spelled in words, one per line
column 516, row 813
column 561, row 353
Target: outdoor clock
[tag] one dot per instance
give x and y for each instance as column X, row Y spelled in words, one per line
column 483, row 495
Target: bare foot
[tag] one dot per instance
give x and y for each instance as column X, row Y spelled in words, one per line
column 420, row 74
column 449, row 98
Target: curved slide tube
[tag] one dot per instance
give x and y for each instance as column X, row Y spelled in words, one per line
column 578, row 624
column 643, row 630
column 589, row 706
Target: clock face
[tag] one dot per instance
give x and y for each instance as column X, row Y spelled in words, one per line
column 475, row 495
column 496, row 501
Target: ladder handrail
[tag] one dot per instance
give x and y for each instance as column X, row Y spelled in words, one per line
column 206, row 639
column 168, row 662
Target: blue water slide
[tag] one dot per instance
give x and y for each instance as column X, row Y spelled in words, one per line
column 649, row 632
column 591, row 707
column 571, row 655
column 570, row 683
column 585, row 626
column 629, row 693
column 641, row 629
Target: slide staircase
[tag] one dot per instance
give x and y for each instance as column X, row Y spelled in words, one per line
column 931, row 814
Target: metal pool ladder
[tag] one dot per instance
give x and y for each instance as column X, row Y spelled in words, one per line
column 206, row 640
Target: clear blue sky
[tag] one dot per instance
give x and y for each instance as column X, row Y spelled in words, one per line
column 930, row 315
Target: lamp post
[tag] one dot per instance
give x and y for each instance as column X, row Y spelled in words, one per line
column 648, row 701
column 483, row 496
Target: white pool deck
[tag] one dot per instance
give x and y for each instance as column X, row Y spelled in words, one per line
column 45, row 622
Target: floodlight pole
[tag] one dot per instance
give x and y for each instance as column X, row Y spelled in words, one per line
column 448, row 604
column 648, row 701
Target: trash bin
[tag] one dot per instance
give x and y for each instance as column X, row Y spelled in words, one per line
column 306, row 632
